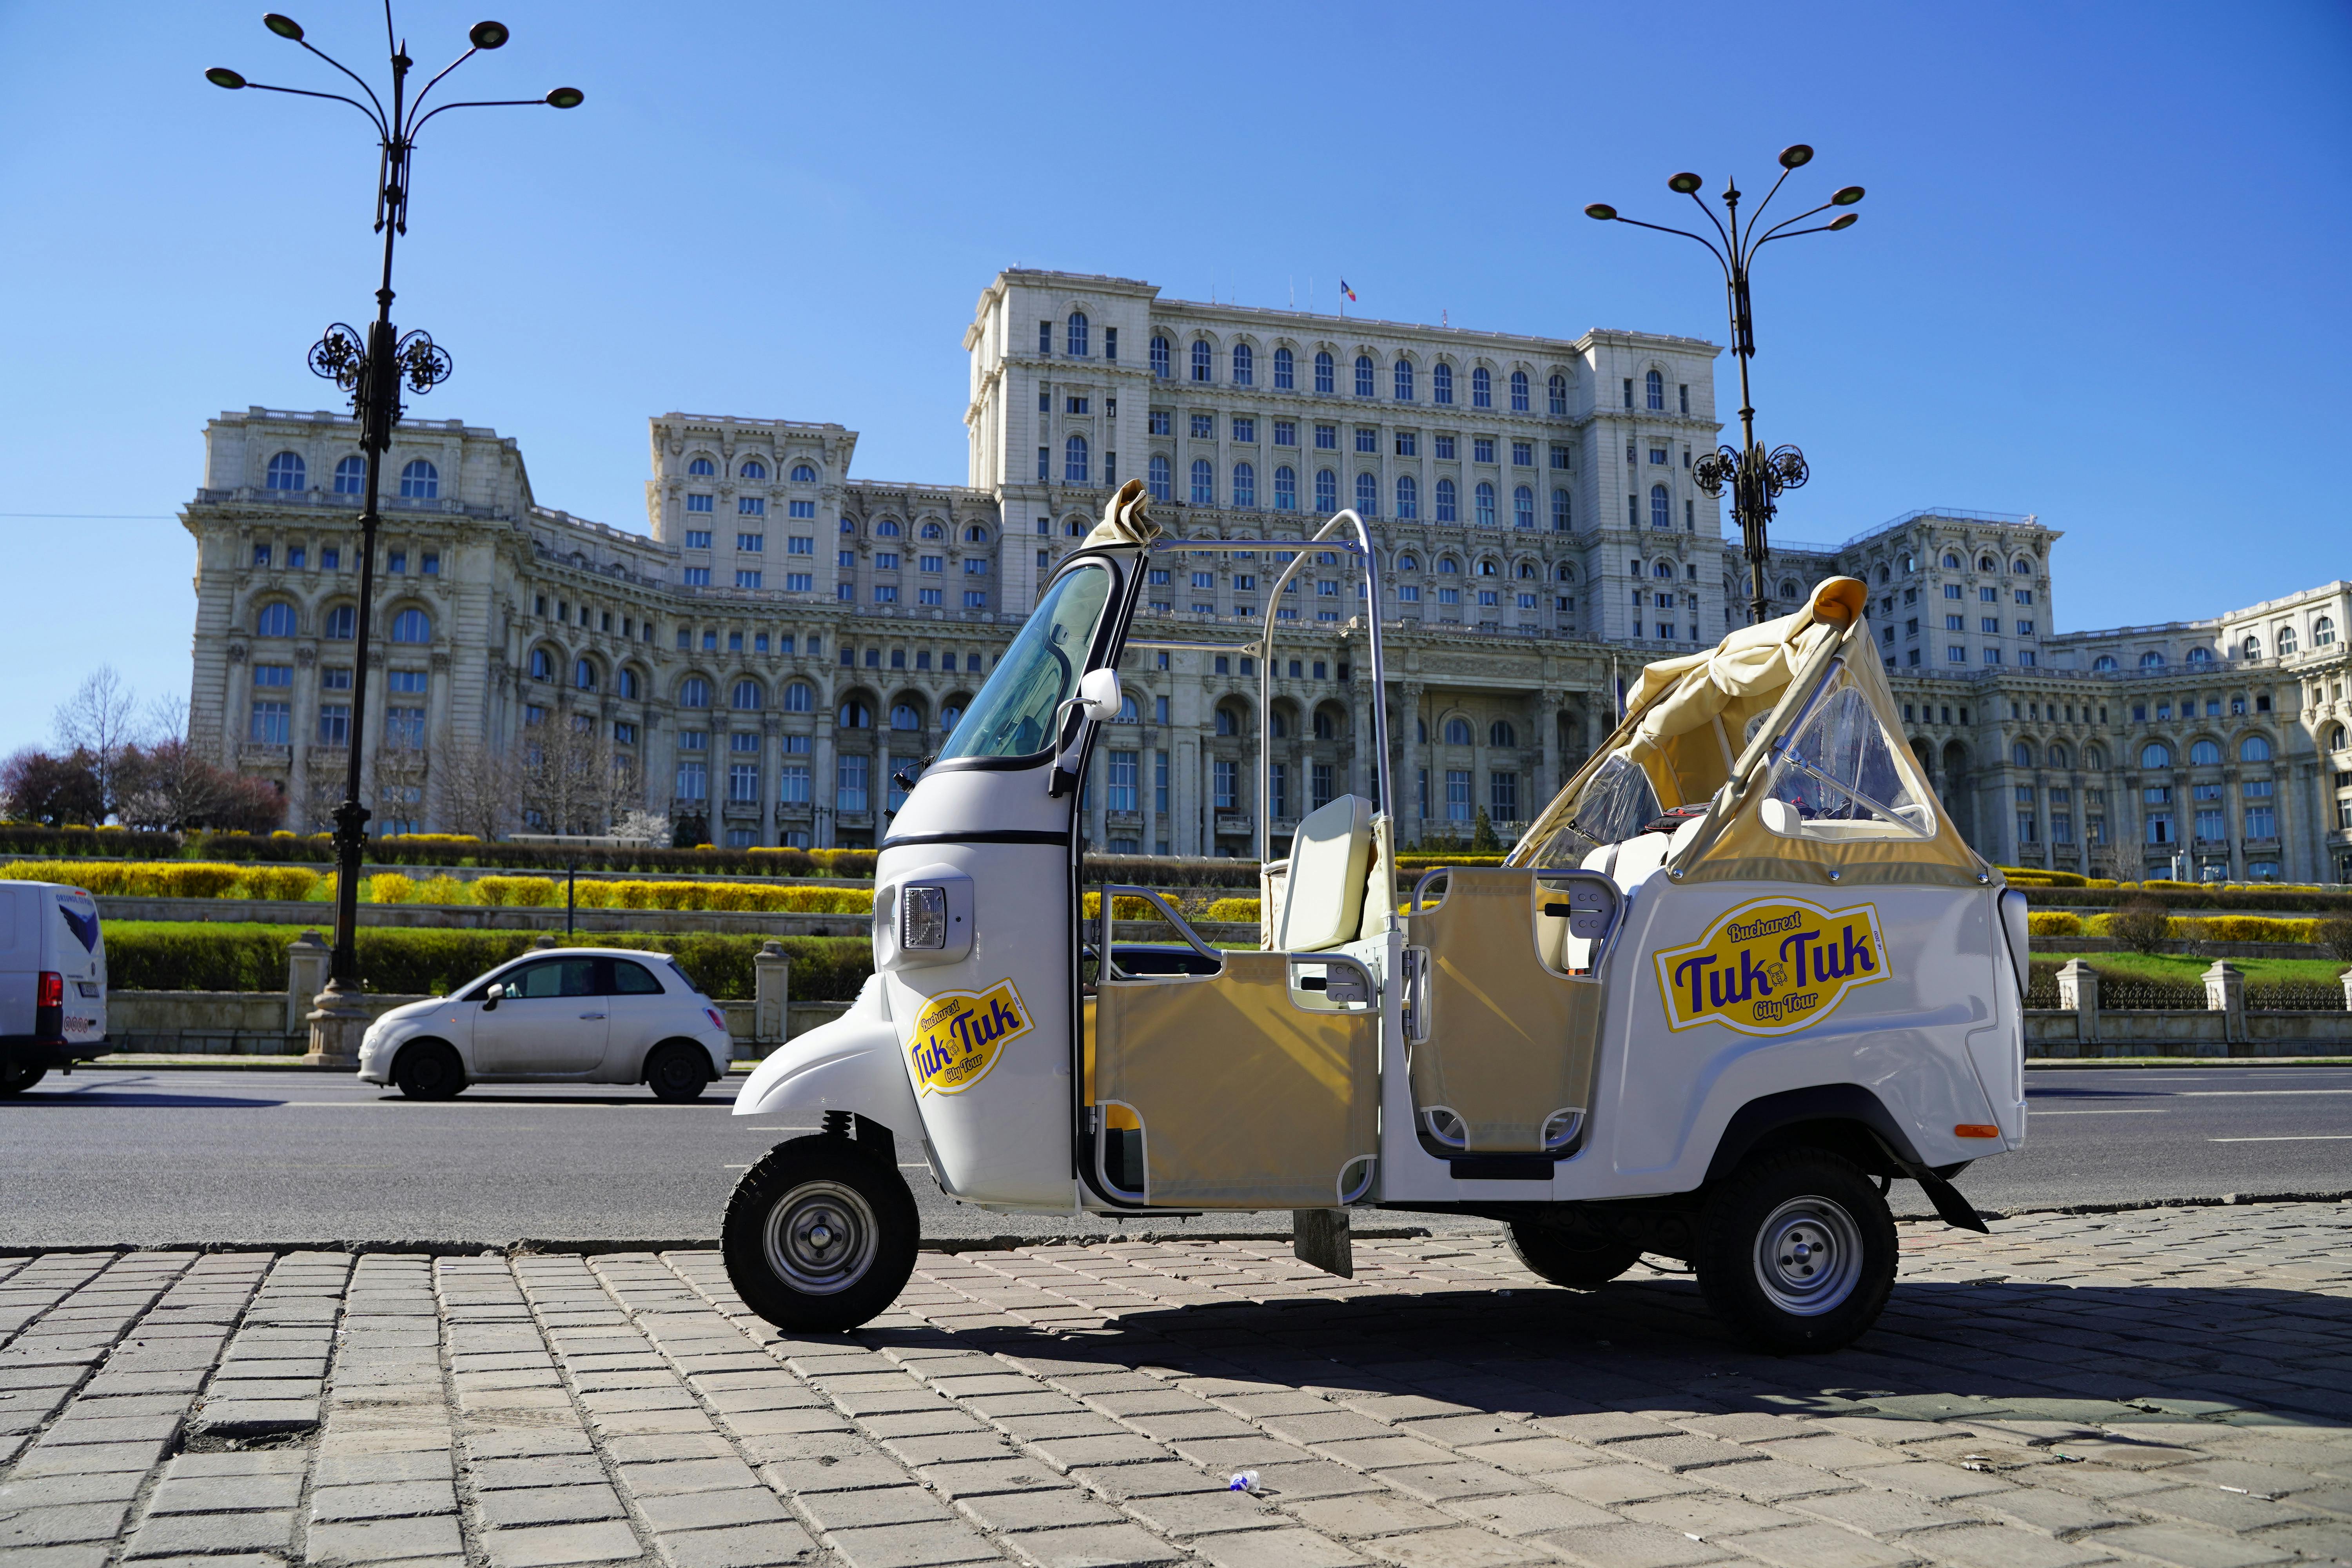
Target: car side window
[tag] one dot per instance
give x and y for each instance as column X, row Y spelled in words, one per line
column 556, row 977
column 634, row 980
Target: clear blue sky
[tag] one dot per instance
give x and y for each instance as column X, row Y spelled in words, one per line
column 2099, row 275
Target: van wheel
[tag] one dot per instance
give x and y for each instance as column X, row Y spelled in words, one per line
column 1580, row 1263
column 820, row 1235
column 676, row 1072
column 18, row 1077
column 1797, row 1251
column 428, row 1071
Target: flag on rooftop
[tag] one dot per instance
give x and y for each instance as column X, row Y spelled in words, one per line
column 1350, row 293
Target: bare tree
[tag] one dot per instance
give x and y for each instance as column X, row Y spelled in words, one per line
column 397, row 777
column 566, row 774
column 168, row 785
column 101, row 719
column 476, row 786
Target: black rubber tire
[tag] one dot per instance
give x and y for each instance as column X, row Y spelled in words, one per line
column 1829, row 1266
column 1577, row 1262
column 429, row 1069
column 18, row 1077
column 777, row 1213
column 678, row 1071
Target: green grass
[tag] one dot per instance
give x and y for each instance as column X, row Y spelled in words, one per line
column 2180, row 968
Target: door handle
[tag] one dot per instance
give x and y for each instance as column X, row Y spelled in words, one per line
column 592, row 1015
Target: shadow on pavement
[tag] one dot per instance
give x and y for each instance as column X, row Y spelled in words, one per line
column 96, row 1099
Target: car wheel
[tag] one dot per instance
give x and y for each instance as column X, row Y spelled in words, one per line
column 1578, row 1262
column 820, row 1235
column 676, row 1071
column 428, row 1071
column 1797, row 1251
column 18, row 1077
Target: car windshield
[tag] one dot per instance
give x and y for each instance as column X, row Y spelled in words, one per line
column 1613, row 806
column 1014, row 714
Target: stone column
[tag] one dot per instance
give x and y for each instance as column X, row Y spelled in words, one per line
column 2225, row 993
column 821, row 784
column 772, row 971
column 306, row 976
column 1147, row 795
column 1409, row 822
column 1549, row 781
column 2346, row 978
column 2078, row 992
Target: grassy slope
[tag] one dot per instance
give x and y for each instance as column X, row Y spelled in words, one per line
column 2181, row 967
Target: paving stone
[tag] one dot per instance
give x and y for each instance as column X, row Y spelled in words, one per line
column 1276, row 1549
column 1038, row 1510
column 911, row 1545
column 1460, row 1548
column 670, row 1476
column 384, row 1540
column 1819, row 1546
column 2005, row 1546
column 735, row 1546
column 2190, row 1547
column 184, row 1493
column 552, row 1545
column 1094, row 1546
column 62, row 1524
column 382, row 1499
column 871, row 1506
column 1871, row 1512
column 1529, row 1513
column 551, row 1470
column 711, row 1509
column 548, row 1505
column 171, row 1535
column 962, row 1480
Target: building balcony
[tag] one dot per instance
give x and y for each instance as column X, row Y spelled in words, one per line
column 1234, row 825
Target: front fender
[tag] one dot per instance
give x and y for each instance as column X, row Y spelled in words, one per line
column 852, row 1064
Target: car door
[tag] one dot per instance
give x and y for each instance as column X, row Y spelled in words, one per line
column 643, row 1015
column 552, row 1018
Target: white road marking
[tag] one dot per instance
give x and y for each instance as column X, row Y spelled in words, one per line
column 2290, row 1137
column 2151, row 1110
column 2250, row 1093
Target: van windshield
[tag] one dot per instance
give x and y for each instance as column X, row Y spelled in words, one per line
column 1014, row 714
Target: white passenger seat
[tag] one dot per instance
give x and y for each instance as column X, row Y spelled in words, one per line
column 1330, row 856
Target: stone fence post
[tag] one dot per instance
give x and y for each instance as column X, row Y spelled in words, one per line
column 2346, row 978
column 2078, row 992
column 771, row 974
column 2225, row 993
column 306, row 976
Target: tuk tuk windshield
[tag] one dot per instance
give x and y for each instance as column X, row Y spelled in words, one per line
column 1014, row 714
column 1614, row 805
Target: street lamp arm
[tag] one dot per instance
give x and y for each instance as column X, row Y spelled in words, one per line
column 337, row 97
column 1784, row 223
column 1817, row 228
column 414, row 118
column 381, row 118
column 1717, row 221
column 1757, row 217
column 1686, row 233
column 480, row 104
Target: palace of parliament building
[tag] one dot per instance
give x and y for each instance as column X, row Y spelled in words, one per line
column 787, row 636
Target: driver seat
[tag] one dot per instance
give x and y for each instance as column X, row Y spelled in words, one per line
column 1331, row 857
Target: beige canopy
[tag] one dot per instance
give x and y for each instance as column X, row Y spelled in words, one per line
column 1788, row 733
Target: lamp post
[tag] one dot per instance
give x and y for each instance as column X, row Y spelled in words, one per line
column 1755, row 477
column 372, row 369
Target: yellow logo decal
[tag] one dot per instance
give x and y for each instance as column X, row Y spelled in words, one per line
column 959, row 1034
column 1771, row 967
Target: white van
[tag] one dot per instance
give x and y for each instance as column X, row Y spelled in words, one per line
column 52, row 981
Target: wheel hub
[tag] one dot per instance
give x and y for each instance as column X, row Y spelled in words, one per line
column 1809, row 1255
column 821, row 1238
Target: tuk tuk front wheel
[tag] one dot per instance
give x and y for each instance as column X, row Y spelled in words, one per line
column 1797, row 1251
column 1577, row 1262
column 820, row 1235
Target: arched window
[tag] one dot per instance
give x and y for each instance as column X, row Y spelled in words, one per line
column 1559, row 511
column 700, row 468
column 1655, row 386
column 2155, row 755
column 976, row 535
column 951, row 715
column 1160, row 367
column 1558, row 388
column 420, row 481
column 2322, row 631
column 626, row 684
column 1951, row 562
column 887, row 527
column 751, row 468
column 1363, row 375
column 1285, row 371
column 1408, row 497
column 1448, row 567
column 1482, row 388
column 2058, row 754
column 1567, row 573
column 2254, row 647
column 1277, row 726
column 1441, row 383
column 1128, row 713
column 1285, row 489
column 799, row 697
column 2022, row 754
column 2204, row 755
column 2254, row 749
column 933, row 531
column 1204, row 483
column 1666, row 569
column 1074, row 460
column 1407, row 562
column 1325, row 727
column 341, row 623
column 1987, row 563
column 2151, row 660
column 2286, row 639
column 275, row 620
column 904, row 717
column 542, row 665
column 2200, row 656
column 1458, row 732
column 351, row 476
column 803, row 474
column 1446, row 502
column 1244, row 485
column 1368, row 496
column 1323, row 372
column 1523, row 507
column 288, row 472
column 1327, row 491
column 1201, row 359
column 1518, row 392
column 2336, row 737
column 1404, row 381
column 2104, row 663
column 1076, row 335
column 1162, row 481
column 1501, row 733
column 1484, row 496
column 748, row 697
column 583, row 674
column 854, row 715
column 1245, row 365
column 2095, row 760
column 1662, row 507
column 694, row 692
column 2021, row 566
column 1229, row 720
column 1789, row 589
column 412, row 626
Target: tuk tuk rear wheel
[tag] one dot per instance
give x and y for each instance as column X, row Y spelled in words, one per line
column 821, row 1235
column 1577, row 1262
column 1797, row 1251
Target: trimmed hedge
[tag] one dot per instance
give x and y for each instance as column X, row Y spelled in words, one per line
column 153, row 955
column 422, row 849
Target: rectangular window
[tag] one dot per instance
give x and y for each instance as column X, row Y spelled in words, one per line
column 932, row 596
column 887, row 560
column 1560, row 456
column 1158, row 422
column 698, row 503
column 1408, row 444
column 850, row 779
column 1244, row 429
column 1367, row 439
column 1327, row 437
column 331, row 559
column 698, row 539
column 1044, row 458
column 1956, row 653
column 2025, row 628
column 1523, row 454
column 697, row 576
column 395, row 561
column 1988, row 595
column 2262, row 821
column 798, row 544
column 1224, row 774
column 2159, row 829
column 747, row 579
column 1445, row 447
column 886, row 593
column 799, row 582
column 1951, row 590
column 1120, row 795
column 1286, row 433
column 750, row 506
column 1074, row 404
column 1992, row 656
column 1318, row 780
column 693, row 777
column 1503, row 796
column 931, row 563
column 2208, row 825
column 1989, row 625
column 975, row 599
column 1204, row 426
column 432, row 561
column 743, row 783
column 1110, row 343
column 800, row 509
column 793, row 782
column 1458, row 795
column 335, row 723
column 1482, row 448
column 1160, row 779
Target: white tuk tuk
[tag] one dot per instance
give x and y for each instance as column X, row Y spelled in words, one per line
column 1739, row 976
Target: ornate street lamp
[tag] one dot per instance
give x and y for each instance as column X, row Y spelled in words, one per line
column 1755, row 477
column 372, row 368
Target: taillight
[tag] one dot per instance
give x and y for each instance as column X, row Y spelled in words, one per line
column 716, row 1021
column 53, row 989
column 49, row 1015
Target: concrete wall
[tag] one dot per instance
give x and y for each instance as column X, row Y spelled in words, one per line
column 476, row 917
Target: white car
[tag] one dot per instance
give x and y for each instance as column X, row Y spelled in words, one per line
column 583, row 1015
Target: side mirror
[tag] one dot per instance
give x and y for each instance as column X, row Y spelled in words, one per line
column 1099, row 695
column 490, row 1001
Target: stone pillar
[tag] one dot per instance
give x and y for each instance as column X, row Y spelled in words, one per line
column 2225, row 993
column 1548, row 779
column 2346, row 978
column 772, row 971
column 1410, row 824
column 306, row 976
column 2078, row 992
column 1147, row 795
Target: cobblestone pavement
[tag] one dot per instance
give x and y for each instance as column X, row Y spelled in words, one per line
column 2171, row 1386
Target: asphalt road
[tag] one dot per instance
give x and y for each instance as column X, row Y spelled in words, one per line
column 114, row 1155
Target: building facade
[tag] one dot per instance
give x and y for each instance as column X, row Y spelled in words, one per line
column 787, row 640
